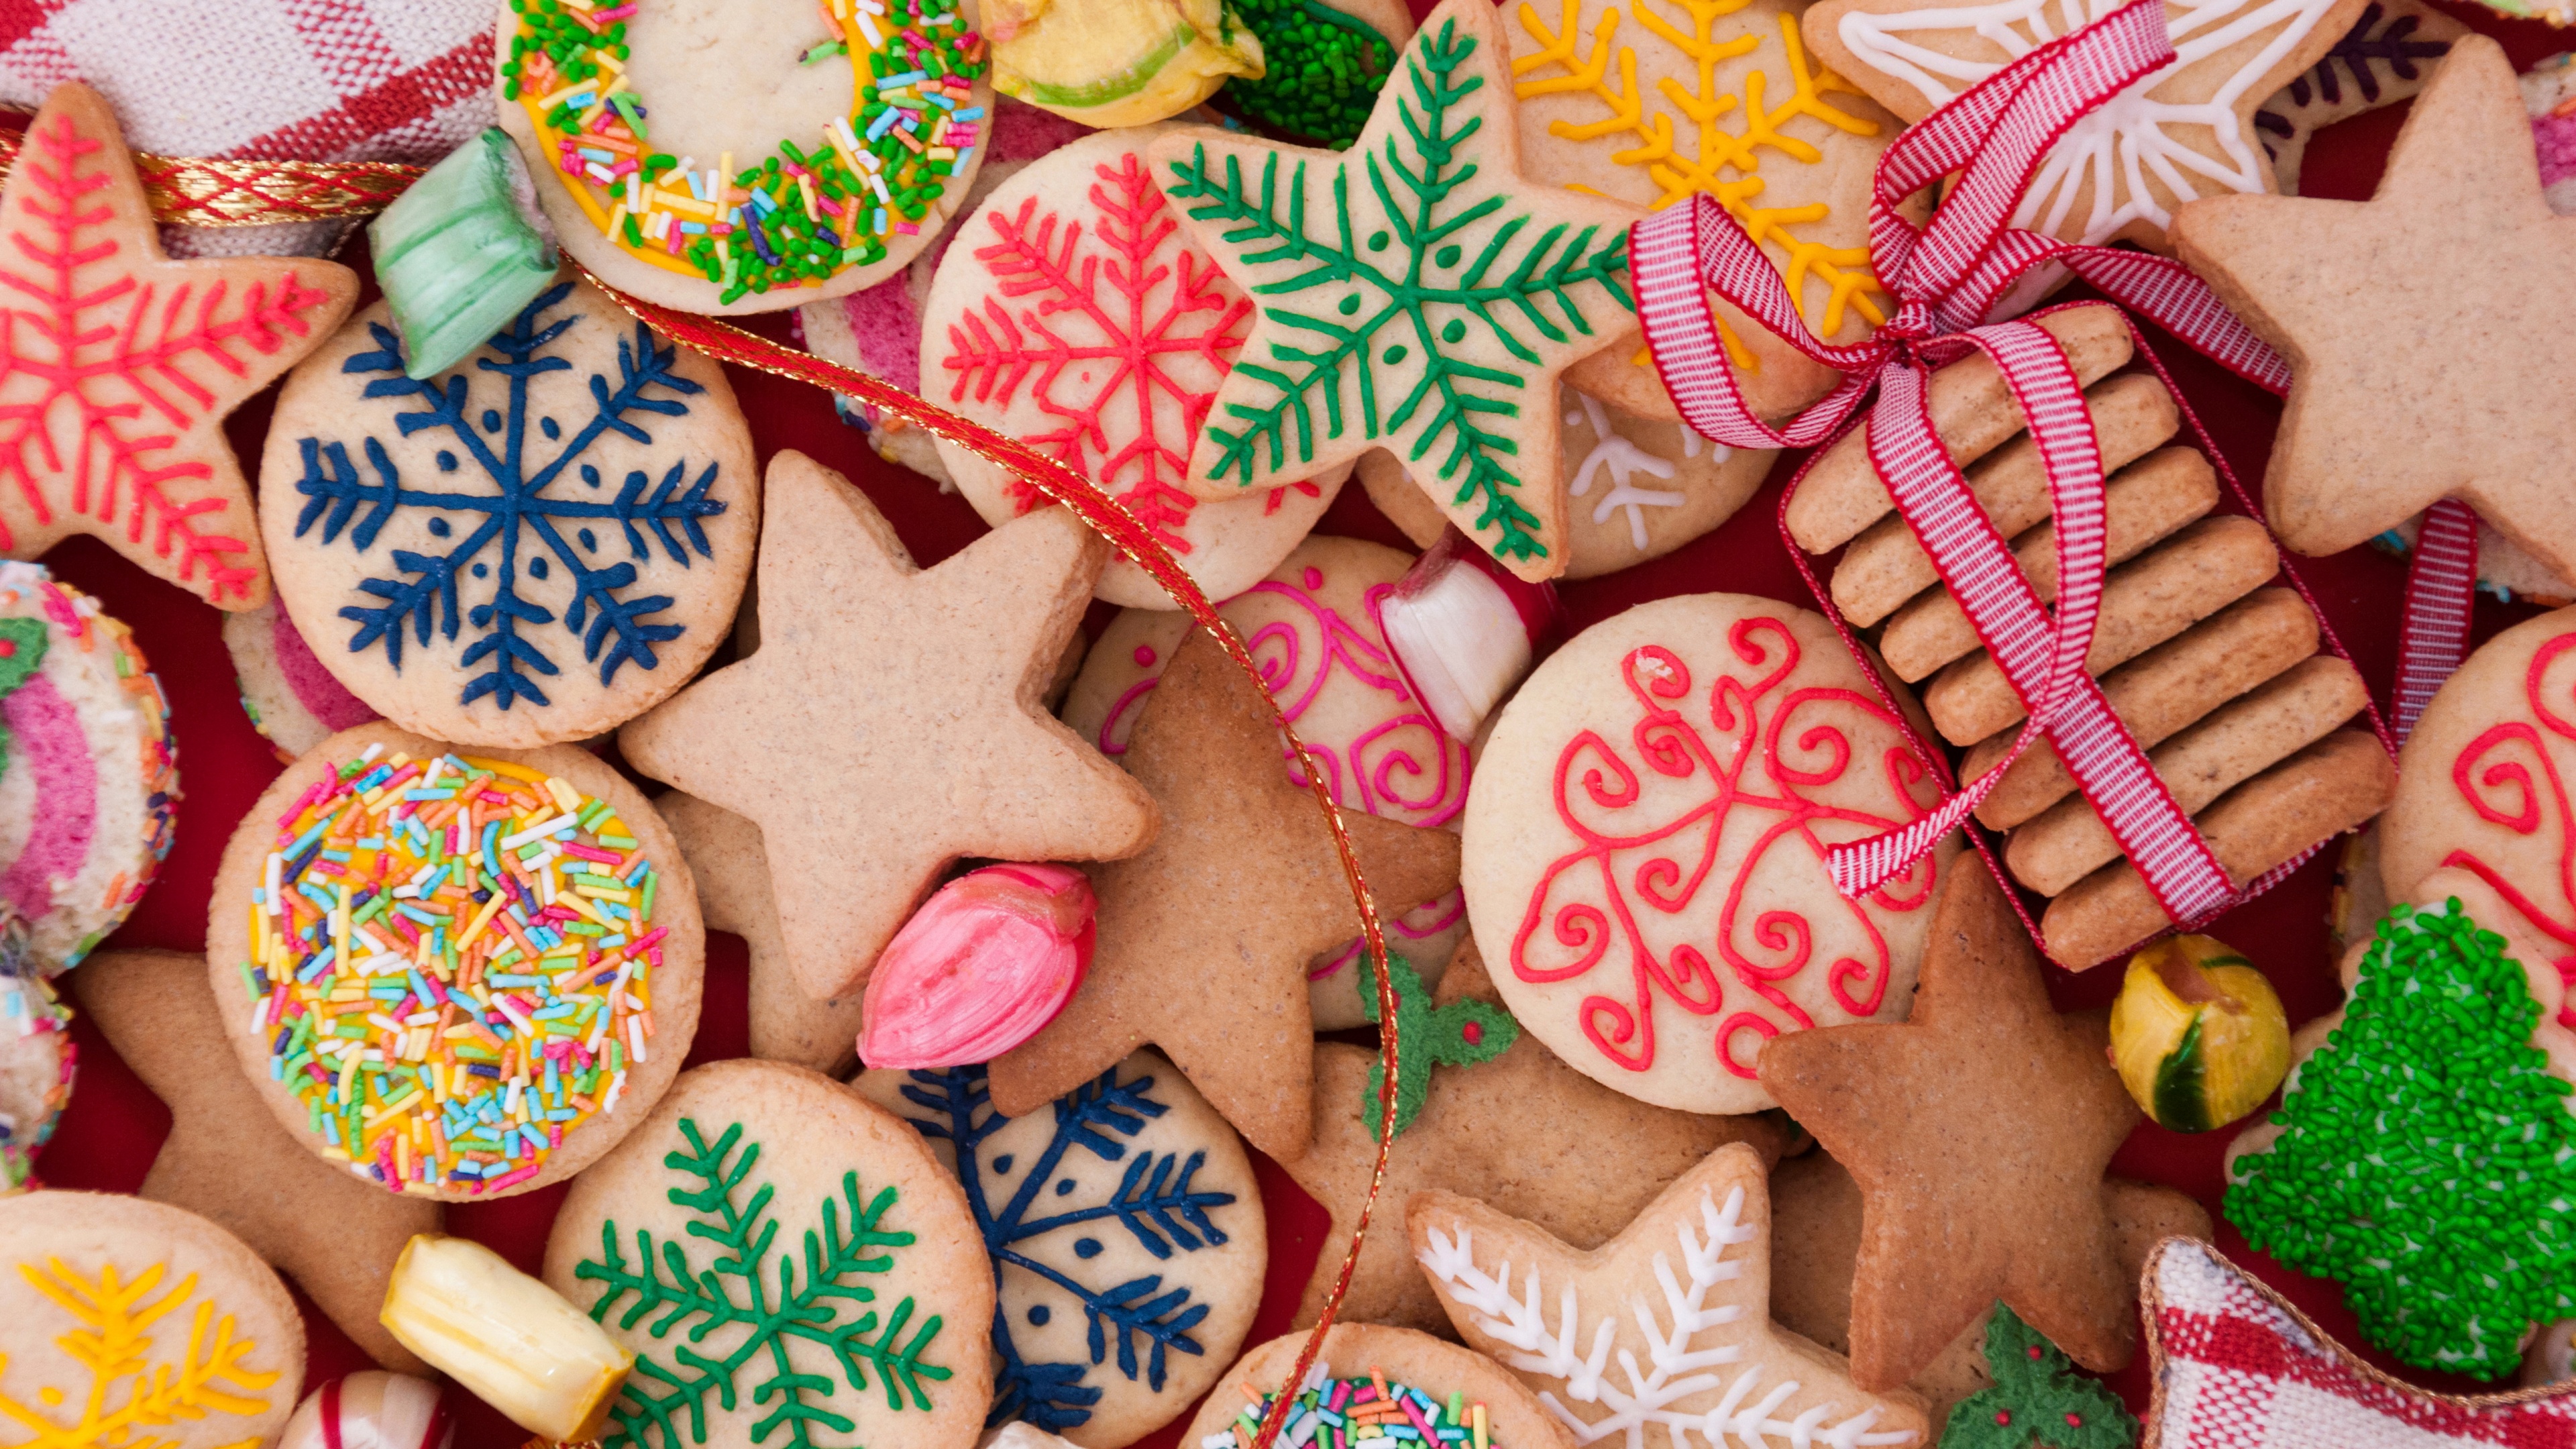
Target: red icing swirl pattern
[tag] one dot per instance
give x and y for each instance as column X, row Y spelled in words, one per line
column 2508, row 777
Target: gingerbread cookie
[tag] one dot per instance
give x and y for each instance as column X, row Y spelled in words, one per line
column 1312, row 628
column 731, row 866
column 1645, row 847
column 779, row 1252
column 1636, row 488
column 228, row 1160
column 2383, row 59
column 791, row 155
column 533, row 548
column 124, row 364
column 292, row 700
column 1126, row 1234
column 1390, row 1377
column 2182, row 131
column 461, row 973
column 875, row 680
column 89, row 775
column 1682, row 1296
column 1077, row 315
column 131, row 1323
column 1529, row 277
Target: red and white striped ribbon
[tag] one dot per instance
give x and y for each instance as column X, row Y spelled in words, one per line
column 2441, row 584
column 1945, row 277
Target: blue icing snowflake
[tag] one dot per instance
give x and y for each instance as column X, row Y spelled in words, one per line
column 517, row 524
column 1153, row 1202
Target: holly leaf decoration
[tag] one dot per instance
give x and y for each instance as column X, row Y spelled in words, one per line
column 1460, row 1034
column 2038, row 1400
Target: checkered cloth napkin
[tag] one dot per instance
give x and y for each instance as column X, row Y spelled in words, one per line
column 310, row 80
column 2237, row 1369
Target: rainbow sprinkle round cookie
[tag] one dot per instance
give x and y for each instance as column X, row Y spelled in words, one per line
column 734, row 156
column 1374, row 1387
column 463, row 973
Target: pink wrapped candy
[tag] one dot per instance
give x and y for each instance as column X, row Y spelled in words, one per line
column 371, row 1410
column 987, row 960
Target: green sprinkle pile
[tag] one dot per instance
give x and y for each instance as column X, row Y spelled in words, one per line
column 566, row 42
column 2427, row 1161
column 1324, row 69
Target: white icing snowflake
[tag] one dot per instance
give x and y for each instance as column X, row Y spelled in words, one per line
column 2133, row 143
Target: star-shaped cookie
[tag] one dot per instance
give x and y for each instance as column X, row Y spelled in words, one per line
column 891, row 720
column 1417, row 293
column 1978, row 1131
column 227, row 1160
column 118, row 365
column 2182, row 131
column 1204, row 939
column 1478, row 1136
column 1668, row 1325
column 2417, row 372
column 731, row 867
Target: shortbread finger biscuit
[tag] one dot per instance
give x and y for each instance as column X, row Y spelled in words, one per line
column 2325, row 789
column 1886, row 564
column 1974, row 414
column 2158, row 695
column 2142, row 507
column 2069, row 841
column 2208, row 566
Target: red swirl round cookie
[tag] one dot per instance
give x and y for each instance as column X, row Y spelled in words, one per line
column 1645, row 847
column 1074, row 312
column 462, row 973
column 1312, row 629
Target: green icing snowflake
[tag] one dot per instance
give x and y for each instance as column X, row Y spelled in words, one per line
column 744, row 1288
column 1454, row 254
column 2427, row 1158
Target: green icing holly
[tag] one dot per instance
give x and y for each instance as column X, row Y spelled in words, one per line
column 744, row 1286
column 22, row 653
column 1460, row 1034
column 1418, row 300
column 2426, row 1159
column 2038, row 1400
column 1324, row 67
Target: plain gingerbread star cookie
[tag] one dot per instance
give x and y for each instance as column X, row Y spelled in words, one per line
column 891, row 720
column 732, row 869
column 2477, row 404
column 120, row 365
column 227, row 1160
column 1204, row 939
column 1417, row 293
column 1680, row 1301
column 1978, row 1131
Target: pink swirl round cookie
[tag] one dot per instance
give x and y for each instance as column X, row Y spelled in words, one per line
column 292, row 699
column 1073, row 312
column 1644, row 853
column 89, row 776
column 1312, row 629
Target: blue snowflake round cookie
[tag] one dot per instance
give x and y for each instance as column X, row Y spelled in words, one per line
column 537, row 545
column 1126, row 1233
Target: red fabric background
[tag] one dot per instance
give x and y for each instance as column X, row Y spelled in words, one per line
column 108, row 1136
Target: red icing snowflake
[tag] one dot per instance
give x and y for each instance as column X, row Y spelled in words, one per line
column 1125, row 343
column 118, row 365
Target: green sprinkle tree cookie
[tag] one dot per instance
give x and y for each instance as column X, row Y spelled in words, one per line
column 2038, row 1400
column 2426, row 1159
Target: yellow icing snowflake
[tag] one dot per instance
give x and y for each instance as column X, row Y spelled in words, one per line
column 129, row 1395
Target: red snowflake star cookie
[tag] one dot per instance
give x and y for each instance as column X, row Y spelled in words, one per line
column 118, row 365
column 1073, row 311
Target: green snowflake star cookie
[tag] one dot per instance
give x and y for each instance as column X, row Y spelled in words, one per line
column 1416, row 293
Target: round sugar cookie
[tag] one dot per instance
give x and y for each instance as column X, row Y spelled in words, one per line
column 37, row 1058
column 1074, row 313
column 1644, row 854
column 1355, row 1360
column 1636, row 488
column 1312, row 630
column 536, row 546
column 801, row 112
column 1130, row 1196
column 292, row 700
column 89, row 775
column 125, row 1322
column 832, row 1274
column 556, row 907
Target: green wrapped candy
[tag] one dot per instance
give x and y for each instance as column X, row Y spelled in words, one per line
column 459, row 254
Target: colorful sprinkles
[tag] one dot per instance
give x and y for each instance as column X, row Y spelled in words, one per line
column 452, row 959
column 792, row 219
column 1331, row 1413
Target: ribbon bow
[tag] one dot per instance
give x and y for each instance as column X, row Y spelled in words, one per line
column 1947, row 277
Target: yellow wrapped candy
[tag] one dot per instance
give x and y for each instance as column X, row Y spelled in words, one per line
column 508, row 1338
column 2198, row 1035
column 1117, row 62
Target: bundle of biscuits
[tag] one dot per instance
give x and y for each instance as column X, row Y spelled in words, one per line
column 2214, row 667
